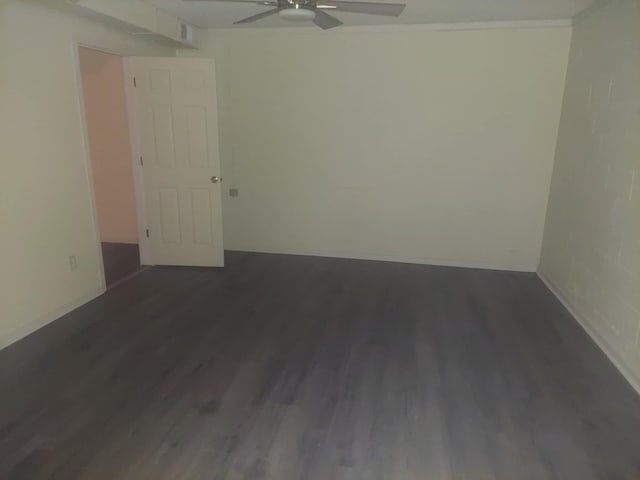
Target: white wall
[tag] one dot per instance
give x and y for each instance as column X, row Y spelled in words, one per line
column 425, row 146
column 591, row 253
column 45, row 204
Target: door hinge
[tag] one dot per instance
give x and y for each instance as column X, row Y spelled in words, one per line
column 135, row 84
column 147, row 233
column 141, row 161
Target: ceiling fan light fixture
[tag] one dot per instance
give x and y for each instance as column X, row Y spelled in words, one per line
column 297, row 14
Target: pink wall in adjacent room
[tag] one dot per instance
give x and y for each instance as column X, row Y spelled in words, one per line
column 108, row 130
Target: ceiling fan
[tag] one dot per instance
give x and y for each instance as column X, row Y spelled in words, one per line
column 315, row 10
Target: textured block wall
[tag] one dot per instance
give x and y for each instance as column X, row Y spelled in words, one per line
column 591, row 248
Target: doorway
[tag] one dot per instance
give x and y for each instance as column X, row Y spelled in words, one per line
column 107, row 123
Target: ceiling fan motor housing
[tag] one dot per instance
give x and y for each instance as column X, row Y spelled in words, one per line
column 297, row 14
column 296, row 11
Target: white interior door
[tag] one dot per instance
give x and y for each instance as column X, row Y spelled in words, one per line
column 177, row 124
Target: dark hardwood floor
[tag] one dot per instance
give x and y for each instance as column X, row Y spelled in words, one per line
column 292, row 368
column 120, row 261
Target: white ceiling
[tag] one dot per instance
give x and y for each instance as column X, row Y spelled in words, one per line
column 208, row 14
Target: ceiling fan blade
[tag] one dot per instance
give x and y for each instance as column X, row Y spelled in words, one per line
column 257, row 17
column 326, row 21
column 252, row 2
column 386, row 9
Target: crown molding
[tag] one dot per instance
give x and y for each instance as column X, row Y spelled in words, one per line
column 398, row 28
column 587, row 12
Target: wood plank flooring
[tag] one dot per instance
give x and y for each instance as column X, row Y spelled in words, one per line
column 120, row 261
column 292, row 368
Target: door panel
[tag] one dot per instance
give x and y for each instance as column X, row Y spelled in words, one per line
column 169, row 213
column 164, row 148
column 197, row 128
column 176, row 112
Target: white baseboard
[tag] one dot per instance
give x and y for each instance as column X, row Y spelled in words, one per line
column 30, row 327
column 595, row 336
column 389, row 258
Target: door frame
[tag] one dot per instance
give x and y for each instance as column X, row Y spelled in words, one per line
column 136, row 163
column 138, row 186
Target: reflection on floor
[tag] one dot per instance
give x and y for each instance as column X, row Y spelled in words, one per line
column 120, row 261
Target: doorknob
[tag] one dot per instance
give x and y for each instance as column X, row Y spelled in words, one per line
column 216, row 179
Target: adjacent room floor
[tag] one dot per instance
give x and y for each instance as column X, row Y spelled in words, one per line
column 120, row 260
column 291, row 368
